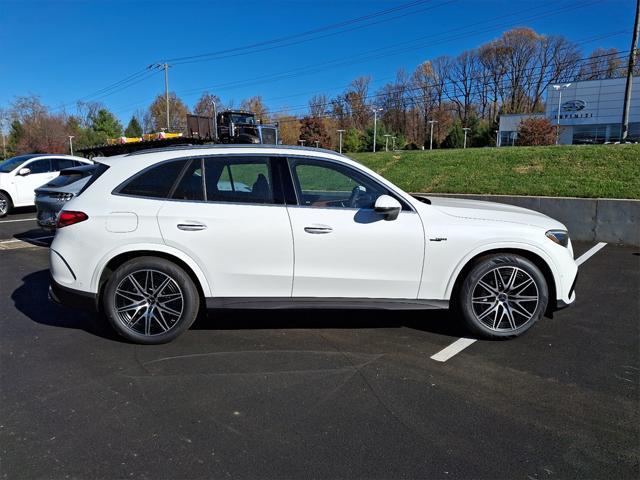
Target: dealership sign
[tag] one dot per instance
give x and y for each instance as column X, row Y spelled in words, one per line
column 573, row 107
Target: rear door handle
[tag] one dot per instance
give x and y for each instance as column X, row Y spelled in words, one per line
column 191, row 227
column 318, row 229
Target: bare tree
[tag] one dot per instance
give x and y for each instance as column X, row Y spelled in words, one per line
column 318, row 105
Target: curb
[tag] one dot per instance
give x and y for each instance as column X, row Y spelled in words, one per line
column 588, row 219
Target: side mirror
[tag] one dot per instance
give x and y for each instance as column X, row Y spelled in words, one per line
column 23, row 172
column 387, row 206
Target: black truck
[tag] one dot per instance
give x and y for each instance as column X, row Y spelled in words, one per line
column 229, row 126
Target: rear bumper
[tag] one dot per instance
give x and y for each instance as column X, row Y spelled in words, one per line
column 72, row 298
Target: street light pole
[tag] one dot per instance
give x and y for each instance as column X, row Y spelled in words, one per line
column 559, row 88
column 341, row 132
column 71, row 137
column 301, row 142
column 431, row 135
column 466, row 129
column 375, row 126
column 317, row 144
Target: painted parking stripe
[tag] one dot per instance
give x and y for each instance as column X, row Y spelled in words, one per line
column 590, row 253
column 453, row 349
column 19, row 220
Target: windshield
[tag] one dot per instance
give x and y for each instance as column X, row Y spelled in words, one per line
column 10, row 164
column 243, row 118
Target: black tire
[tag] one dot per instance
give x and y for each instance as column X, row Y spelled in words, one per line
column 5, row 204
column 149, row 313
column 495, row 308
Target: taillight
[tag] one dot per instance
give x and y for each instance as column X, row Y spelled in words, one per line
column 67, row 218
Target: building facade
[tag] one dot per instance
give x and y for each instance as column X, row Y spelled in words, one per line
column 590, row 113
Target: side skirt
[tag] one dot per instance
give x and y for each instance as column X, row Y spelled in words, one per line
column 267, row 303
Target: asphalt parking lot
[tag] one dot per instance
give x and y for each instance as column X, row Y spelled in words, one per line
column 338, row 394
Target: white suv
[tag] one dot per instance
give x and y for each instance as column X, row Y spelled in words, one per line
column 20, row 176
column 161, row 234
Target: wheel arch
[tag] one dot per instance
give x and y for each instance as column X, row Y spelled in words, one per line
column 112, row 264
column 534, row 257
column 2, row 190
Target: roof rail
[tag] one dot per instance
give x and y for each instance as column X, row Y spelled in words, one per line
column 238, row 146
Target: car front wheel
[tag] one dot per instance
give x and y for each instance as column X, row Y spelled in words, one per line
column 502, row 296
column 150, row 300
column 5, row 204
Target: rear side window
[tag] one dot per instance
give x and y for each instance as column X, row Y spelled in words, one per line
column 62, row 163
column 239, row 180
column 155, row 182
column 191, row 185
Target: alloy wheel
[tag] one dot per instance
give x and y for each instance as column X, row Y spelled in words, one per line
column 505, row 299
column 149, row 302
column 3, row 206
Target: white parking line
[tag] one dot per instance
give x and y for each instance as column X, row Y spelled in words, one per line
column 18, row 220
column 589, row 253
column 453, row 349
column 462, row 343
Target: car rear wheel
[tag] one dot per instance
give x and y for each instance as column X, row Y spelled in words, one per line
column 503, row 296
column 5, row 204
column 150, row 300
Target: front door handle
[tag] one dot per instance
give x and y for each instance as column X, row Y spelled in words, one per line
column 318, row 229
column 191, row 227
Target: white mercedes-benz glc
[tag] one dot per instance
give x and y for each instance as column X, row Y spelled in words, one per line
column 157, row 236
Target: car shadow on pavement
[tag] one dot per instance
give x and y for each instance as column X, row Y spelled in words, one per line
column 441, row 322
column 31, row 298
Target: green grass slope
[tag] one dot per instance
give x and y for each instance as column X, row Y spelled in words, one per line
column 605, row 171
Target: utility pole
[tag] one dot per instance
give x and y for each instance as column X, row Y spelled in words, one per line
column 341, row 132
column 4, row 145
column 431, row 135
column 559, row 88
column 375, row 126
column 466, row 129
column 164, row 66
column 624, row 128
column 386, row 142
column 71, row 137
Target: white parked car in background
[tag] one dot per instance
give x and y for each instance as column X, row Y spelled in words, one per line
column 159, row 235
column 20, row 176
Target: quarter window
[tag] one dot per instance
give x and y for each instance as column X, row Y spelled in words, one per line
column 327, row 185
column 155, row 182
column 239, row 180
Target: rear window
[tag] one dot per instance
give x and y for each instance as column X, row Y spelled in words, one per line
column 67, row 177
column 155, row 182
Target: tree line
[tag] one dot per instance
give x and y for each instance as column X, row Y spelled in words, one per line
column 509, row 74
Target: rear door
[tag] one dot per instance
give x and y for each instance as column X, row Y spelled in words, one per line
column 226, row 212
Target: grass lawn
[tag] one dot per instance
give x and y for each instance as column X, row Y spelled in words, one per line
column 605, row 171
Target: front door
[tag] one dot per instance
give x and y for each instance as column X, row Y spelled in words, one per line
column 224, row 214
column 41, row 173
column 342, row 247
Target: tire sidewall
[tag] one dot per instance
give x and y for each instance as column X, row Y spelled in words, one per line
column 478, row 271
column 6, row 198
column 182, row 279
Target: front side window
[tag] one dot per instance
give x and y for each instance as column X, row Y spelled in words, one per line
column 156, row 182
column 327, row 185
column 40, row 166
column 239, row 180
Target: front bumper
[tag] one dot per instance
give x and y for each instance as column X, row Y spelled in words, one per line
column 71, row 298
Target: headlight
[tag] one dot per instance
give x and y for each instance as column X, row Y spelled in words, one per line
column 561, row 237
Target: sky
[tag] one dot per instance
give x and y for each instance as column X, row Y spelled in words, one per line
column 65, row 51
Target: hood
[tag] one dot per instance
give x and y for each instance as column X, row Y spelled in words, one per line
column 481, row 210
